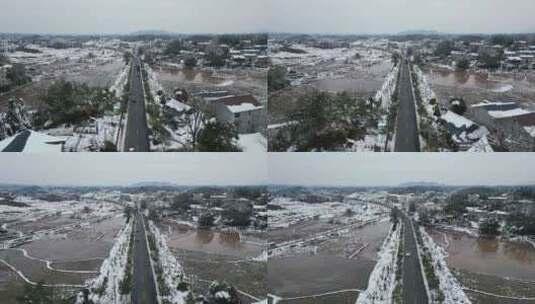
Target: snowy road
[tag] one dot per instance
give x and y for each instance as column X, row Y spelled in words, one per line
column 414, row 291
column 136, row 137
column 406, row 126
column 144, row 288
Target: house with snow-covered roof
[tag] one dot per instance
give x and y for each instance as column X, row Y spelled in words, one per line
column 506, row 118
column 244, row 111
column 31, row 141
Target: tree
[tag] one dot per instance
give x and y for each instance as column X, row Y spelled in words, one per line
column 490, row 61
column 458, row 106
column 17, row 74
column 489, row 227
column 128, row 212
column 463, row 64
column 109, row 147
column 277, row 78
column 195, row 118
column 444, row 48
column 222, row 293
column 126, row 57
column 182, row 201
column 236, row 214
column 217, row 137
column 71, row 102
column 190, row 62
column 206, row 220
column 456, row 204
column 174, row 47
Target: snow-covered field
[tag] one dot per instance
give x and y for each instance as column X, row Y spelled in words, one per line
column 294, row 212
column 383, row 277
column 68, row 208
column 315, row 56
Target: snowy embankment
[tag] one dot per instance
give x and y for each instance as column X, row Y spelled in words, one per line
column 450, row 287
column 384, row 95
column 120, row 82
column 105, row 288
column 376, row 140
column 172, row 271
column 383, row 277
column 154, row 83
column 427, row 94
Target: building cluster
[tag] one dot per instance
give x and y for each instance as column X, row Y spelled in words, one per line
column 217, row 204
column 210, row 53
column 480, row 209
column 520, row 55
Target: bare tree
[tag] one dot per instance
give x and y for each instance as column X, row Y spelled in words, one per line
column 195, row 119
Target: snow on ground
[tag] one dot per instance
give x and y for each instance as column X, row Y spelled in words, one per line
column 254, row 142
column 314, row 56
column 503, row 89
column 482, row 145
column 177, row 105
column 470, row 232
column 383, row 277
column 450, row 287
column 112, row 272
column 39, row 208
column 172, row 270
column 294, row 212
column 369, row 143
column 426, row 92
column 120, row 82
column 457, row 120
column 92, row 137
column 154, row 83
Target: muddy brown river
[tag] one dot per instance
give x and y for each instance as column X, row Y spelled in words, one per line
column 329, row 270
column 489, row 256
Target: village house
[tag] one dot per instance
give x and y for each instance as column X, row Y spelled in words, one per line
column 243, row 111
column 506, row 118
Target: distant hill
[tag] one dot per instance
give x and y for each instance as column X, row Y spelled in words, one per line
column 153, row 185
column 422, row 184
column 419, row 32
column 152, row 33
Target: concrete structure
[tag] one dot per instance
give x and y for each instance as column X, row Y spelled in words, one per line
column 506, row 119
column 244, row 111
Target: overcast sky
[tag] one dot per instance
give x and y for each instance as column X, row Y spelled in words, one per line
column 379, row 169
column 308, row 16
column 329, row 169
column 393, row 16
column 88, row 169
column 125, row 16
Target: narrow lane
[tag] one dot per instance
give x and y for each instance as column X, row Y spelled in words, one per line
column 407, row 139
column 136, row 136
column 414, row 291
column 144, row 288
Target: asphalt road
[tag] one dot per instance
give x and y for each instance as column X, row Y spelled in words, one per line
column 413, row 284
column 144, row 288
column 406, row 126
column 136, row 136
